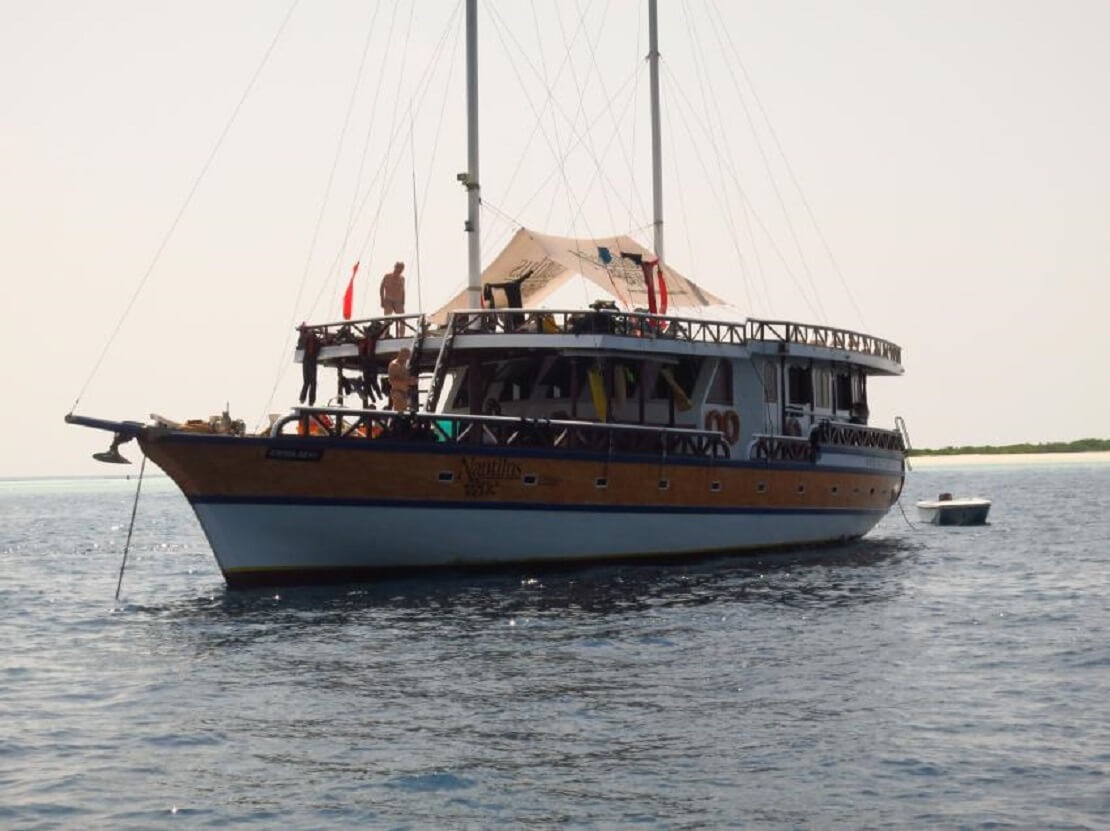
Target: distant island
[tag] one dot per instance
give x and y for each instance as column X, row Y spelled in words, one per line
column 1080, row 446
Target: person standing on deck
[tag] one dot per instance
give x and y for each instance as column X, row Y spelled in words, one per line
column 310, row 343
column 392, row 292
column 401, row 381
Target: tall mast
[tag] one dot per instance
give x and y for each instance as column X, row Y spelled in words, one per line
column 656, row 138
column 470, row 178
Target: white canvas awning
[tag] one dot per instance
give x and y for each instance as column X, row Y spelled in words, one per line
column 543, row 263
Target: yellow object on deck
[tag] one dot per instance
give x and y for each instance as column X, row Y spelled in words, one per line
column 597, row 392
column 681, row 399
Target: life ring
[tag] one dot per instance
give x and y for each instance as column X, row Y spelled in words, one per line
column 730, row 425
column 713, row 421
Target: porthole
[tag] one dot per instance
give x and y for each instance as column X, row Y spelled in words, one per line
column 530, row 478
column 446, row 476
column 664, row 484
column 601, row 482
column 761, row 487
column 714, row 487
column 801, row 488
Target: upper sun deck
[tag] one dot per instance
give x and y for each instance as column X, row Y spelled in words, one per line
column 608, row 330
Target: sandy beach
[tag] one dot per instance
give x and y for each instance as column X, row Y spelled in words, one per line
column 979, row 459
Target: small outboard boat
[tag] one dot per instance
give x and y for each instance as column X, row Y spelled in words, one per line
column 944, row 510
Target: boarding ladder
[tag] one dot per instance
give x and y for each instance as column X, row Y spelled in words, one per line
column 440, row 371
column 900, row 425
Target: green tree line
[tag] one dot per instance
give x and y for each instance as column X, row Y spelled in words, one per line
column 1079, row 446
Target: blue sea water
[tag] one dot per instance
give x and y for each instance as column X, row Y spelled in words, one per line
column 922, row 678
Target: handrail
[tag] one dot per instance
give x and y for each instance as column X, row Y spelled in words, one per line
column 816, row 335
column 610, row 322
column 504, row 431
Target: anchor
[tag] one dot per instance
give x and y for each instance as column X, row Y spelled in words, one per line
column 112, row 454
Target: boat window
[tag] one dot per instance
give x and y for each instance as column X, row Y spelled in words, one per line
column 556, row 381
column 821, row 391
column 720, row 389
column 770, row 383
column 859, row 388
column 799, row 385
column 842, row 391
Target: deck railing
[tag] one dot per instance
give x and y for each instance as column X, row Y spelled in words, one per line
column 811, row 335
column 502, row 431
column 610, row 321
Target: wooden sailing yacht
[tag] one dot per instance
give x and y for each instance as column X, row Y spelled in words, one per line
column 661, row 424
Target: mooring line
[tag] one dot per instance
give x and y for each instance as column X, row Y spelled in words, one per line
column 903, row 510
column 131, row 527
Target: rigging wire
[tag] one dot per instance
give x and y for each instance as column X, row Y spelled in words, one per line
column 185, row 204
column 635, row 197
column 798, row 249
column 438, row 132
column 325, row 200
column 720, row 198
column 131, row 525
column 766, row 231
column 581, row 111
column 718, row 29
column 359, row 204
column 415, row 217
column 395, row 118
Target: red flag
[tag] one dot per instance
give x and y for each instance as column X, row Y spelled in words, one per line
column 662, row 292
column 349, row 295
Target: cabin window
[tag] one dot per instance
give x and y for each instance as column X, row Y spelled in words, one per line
column 799, row 384
column 821, row 389
column 517, row 380
column 556, row 381
column 859, row 388
column 842, row 391
column 770, row 383
column 720, row 389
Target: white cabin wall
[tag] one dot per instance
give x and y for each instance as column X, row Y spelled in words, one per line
column 750, row 406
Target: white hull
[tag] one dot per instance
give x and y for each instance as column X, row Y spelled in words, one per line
column 954, row 511
column 264, row 543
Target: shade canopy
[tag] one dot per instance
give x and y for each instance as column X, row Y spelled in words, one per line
column 537, row 265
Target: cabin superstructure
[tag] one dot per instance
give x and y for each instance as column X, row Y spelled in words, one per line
column 770, row 389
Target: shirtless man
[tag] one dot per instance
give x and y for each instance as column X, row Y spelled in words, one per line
column 401, row 381
column 392, row 292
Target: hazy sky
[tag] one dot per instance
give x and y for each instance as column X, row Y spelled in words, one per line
column 954, row 155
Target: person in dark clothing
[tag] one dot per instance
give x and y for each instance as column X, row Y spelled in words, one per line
column 369, row 366
column 310, row 343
